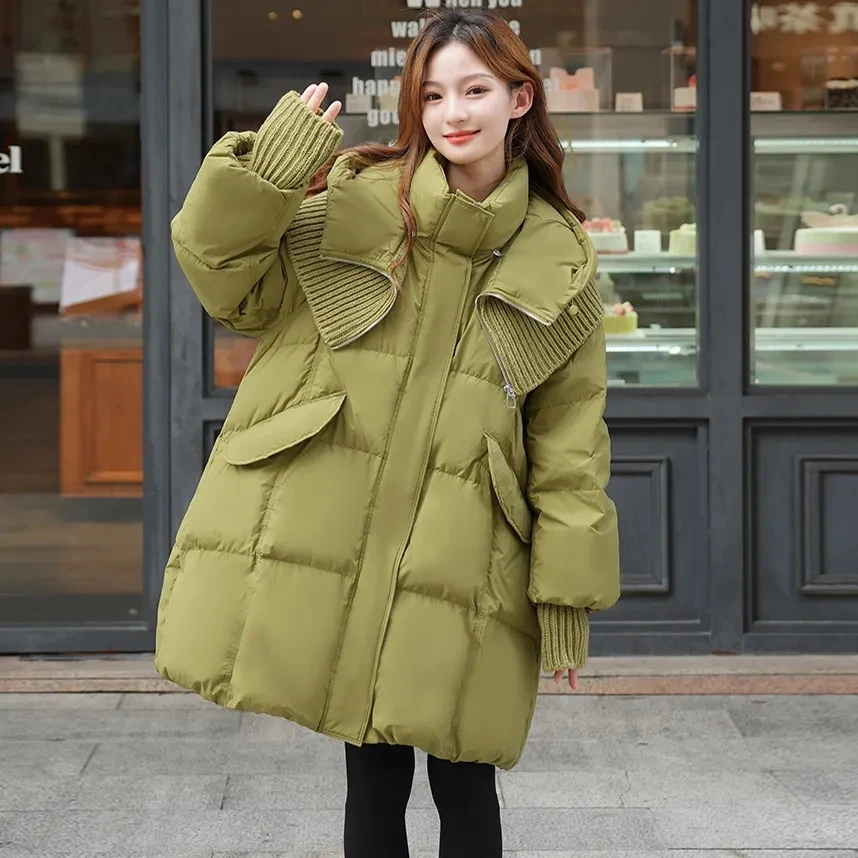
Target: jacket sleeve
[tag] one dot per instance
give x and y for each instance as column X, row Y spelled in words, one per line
column 575, row 543
column 228, row 235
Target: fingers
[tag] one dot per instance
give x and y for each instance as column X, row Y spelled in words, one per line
column 572, row 677
column 314, row 95
column 333, row 111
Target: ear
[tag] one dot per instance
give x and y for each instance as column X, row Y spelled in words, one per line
column 522, row 100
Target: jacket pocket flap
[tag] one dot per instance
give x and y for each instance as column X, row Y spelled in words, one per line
column 508, row 491
column 283, row 430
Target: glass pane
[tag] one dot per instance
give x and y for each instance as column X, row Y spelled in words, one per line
column 70, row 312
column 804, row 295
column 621, row 83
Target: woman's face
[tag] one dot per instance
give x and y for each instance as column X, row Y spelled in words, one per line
column 461, row 95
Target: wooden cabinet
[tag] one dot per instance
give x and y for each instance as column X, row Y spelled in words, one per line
column 101, row 421
column 101, row 414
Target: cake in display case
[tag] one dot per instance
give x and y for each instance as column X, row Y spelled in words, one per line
column 608, row 236
column 577, row 81
column 834, row 234
column 620, row 319
column 683, row 241
column 667, row 213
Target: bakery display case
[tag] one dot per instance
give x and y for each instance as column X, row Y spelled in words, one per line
column 803, row 297
column 635, row 175
column 631, row 165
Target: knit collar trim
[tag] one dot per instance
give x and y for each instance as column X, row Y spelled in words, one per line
column 544, row 256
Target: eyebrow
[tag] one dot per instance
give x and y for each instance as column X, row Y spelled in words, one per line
column 466, row 78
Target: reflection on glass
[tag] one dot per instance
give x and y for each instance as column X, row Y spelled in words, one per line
column 804, row 287
column 621, row 81
column 70, row 298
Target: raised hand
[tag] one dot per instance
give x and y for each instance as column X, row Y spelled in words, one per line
column 314, row 95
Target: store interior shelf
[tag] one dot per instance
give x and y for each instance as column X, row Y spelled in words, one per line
column 804, row 124
column 789, row 260
column 649, row 131
column 683, row 341
column 806, row 145
column 631, row 144
column 771, row 261
column 781, row 132
column 645, row 263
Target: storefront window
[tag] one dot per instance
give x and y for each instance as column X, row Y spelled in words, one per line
column 70, row 312
column 804, row 286
column 621, row 80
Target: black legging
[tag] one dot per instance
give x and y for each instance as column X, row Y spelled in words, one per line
column 379, row 778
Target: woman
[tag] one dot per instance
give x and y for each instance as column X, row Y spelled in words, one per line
column 405, row 510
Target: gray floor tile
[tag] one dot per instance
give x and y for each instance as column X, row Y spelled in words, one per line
column 53, row 759
column 23, row 830
column 627, row 722
column 153, row 792
column 103, row 726
column 696, row 786
column 286, row 791
column 167, row 700
column 691, row 853
column 574, row 830
column 27, row 792
column 557, row 755
column 813, row 787
column 747, row 828
column 269, row 728
column 127, row 833
column 295, row 791
column 799, row 717
column 203, row 756
column 751, row 754
column 564, row 789
column 632, row 777
column 40, row 702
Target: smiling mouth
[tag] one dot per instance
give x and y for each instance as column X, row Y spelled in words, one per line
column 460, row 134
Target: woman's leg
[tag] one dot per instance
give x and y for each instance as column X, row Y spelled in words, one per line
column 379, row 779
column 467, row 803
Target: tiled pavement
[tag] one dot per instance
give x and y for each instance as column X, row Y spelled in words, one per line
column 170, row 776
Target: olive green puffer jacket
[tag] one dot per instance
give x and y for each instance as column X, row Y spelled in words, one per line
column 405, row 510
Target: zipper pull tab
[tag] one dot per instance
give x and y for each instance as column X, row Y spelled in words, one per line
column 510, row 396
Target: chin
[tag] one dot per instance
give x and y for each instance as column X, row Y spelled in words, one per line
column 462, row 156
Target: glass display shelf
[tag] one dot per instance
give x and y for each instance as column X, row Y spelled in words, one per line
column 656, row 357
column 771, row 261
column 618, row 133
column 805, row 133
column 806, row 145
column 653, row 357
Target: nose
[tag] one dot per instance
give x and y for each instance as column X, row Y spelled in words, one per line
column 457, row 110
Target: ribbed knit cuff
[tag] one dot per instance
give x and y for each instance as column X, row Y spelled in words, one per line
column 293, row 143
column 565, row 636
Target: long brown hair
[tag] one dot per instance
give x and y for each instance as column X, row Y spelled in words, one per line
column 532, row 136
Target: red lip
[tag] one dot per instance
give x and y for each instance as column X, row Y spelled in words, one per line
column 460, row 135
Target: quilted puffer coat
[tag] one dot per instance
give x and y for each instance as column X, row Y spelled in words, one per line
column 407, row 498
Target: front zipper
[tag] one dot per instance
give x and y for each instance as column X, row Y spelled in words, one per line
column 372, row 268
column 508, row 388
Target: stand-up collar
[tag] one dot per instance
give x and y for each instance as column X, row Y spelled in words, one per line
column 363, row 222
column 456, row 221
